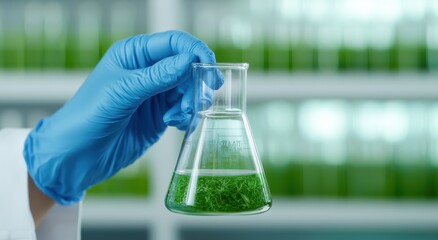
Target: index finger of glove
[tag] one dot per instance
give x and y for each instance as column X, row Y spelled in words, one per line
column 166, row 44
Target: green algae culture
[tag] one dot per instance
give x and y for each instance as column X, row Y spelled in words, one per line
column 218, row 192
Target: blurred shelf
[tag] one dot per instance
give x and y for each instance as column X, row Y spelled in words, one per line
column 285, row 214
column 57, row 87
column 269, row 86
column 39, row 87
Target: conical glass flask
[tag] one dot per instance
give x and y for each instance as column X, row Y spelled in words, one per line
column 219, row 170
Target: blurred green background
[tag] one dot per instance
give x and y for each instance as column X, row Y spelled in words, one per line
column 284, row 35
column 358, row 158
column 383, row 147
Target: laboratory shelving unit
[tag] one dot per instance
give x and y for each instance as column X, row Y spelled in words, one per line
column 43, row 92
column 54, row 88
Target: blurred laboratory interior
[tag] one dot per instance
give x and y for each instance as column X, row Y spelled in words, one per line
column 342, row 102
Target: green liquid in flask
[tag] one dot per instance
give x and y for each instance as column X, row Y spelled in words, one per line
column 217, row 192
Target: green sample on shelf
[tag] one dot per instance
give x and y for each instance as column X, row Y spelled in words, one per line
column 123, row 184
column 225, row 192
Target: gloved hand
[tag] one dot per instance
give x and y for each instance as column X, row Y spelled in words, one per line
column 140, row 86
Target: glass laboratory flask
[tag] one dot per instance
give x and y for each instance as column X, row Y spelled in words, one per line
column 218, row 171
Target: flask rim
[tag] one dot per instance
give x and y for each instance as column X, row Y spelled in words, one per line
column 222, row 65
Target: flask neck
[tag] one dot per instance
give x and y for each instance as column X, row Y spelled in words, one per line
column 231, row 96
column 221, row 88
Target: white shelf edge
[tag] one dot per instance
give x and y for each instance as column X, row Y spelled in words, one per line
column 39, row 87
column 285, row 214
column 342, row 86
column 57, row 87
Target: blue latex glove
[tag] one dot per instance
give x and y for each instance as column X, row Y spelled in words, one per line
column 140, row 86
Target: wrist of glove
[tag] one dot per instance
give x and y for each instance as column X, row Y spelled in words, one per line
column 142, row 85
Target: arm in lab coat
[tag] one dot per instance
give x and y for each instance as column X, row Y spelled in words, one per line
column 39, row 203
column 18, row 194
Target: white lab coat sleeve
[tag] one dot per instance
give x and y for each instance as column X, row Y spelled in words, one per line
column 15, row 217
column 16, row 222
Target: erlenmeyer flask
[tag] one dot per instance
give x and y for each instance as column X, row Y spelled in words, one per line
column 218, row 170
